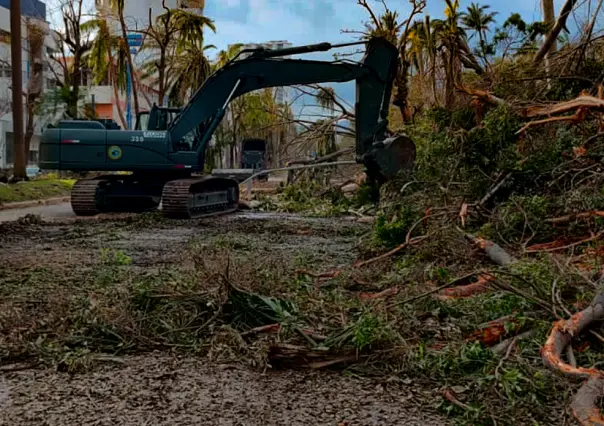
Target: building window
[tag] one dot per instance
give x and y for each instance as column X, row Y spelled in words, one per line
column 10, row 148
column 51, row 83
column 6, row 71
column 4, row 37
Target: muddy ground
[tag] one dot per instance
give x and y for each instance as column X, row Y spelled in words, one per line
column 44, row 264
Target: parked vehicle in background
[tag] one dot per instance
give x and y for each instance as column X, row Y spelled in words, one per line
column 254, row 155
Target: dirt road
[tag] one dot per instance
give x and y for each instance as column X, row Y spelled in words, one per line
column 47, row 212
column 161, row 390
column 59, row 264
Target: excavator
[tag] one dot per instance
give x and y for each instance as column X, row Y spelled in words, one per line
column 163, row 160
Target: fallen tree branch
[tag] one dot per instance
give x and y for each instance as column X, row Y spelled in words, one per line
column 392, row 252
column 562, row 334
column 583, row 405
column 436, row 290
column 584, row 101
column 285, row 169
column 571, row 217
column 481, row 95
column 468, row 290
column 449, row 396
column 323, row 159
column 578, row 243
column 494, row 190
column 502, row 347
column 578, row 117
column 492, row 250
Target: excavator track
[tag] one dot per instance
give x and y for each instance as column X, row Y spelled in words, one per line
column 200, row 197
column 85, row 197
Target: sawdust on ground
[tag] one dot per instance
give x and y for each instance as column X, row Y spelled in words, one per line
column 157, row 389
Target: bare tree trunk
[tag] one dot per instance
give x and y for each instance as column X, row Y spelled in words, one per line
column 19, row 161
column 35, row 37
column 402, row 90
column 130, row 62
column 587, row 37
column 550, row 40
column 116, row 94
column 549, row 17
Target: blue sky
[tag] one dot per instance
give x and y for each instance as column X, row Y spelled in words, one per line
column 312, row 21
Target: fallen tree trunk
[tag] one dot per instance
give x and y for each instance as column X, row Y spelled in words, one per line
column 492, row 250
column 583, row 405
column 323, row 159
column 584, row 101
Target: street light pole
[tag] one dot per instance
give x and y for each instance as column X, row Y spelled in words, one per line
column 19, row 160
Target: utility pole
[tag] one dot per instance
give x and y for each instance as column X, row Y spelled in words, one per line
column 19, row 160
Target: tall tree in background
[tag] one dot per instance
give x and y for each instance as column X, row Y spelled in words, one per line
column 19, row 171
column 160, row 38
column 35, row 84
column 549, row 18
column 117, row 6
column 552, row 35
column 478, row 19
column 387, row 26
column 190, row 65
column 107, row 59
column 73, row 44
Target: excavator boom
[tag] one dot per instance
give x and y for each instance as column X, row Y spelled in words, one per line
column 374, row 76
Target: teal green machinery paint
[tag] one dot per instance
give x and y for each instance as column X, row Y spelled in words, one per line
column 165, row 159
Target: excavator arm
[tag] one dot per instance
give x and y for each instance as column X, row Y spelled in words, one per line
column 374, row 76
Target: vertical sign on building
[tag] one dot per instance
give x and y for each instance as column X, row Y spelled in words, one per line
column 135, row 41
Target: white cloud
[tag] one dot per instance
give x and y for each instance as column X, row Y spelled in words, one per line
column 230, row 3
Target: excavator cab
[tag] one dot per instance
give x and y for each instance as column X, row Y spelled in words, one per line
column 159, row 118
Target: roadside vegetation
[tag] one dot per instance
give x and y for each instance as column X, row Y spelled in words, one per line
column 477, row 277
column 36, row 189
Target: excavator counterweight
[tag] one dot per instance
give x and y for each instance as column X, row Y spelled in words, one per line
column 165, row 157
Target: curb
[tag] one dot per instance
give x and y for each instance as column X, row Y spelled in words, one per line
column 35, row 203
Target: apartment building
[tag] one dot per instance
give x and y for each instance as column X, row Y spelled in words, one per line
column 37, row 74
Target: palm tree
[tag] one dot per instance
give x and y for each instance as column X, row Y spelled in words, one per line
column 226, row 56
column 477, row 19
column 107, row 58
column 117, row 6
column 190, row 68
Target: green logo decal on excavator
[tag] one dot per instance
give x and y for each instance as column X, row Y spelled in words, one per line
column 114, row 152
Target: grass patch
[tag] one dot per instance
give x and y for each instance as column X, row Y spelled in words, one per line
column 34, row 190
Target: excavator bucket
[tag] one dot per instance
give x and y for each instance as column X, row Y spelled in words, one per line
column 393, row 157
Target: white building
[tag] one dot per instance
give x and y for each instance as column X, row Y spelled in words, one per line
column 282, row 94
column 33, row 12
column 136, row 12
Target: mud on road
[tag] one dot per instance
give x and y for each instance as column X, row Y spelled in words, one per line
column 51, row 286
